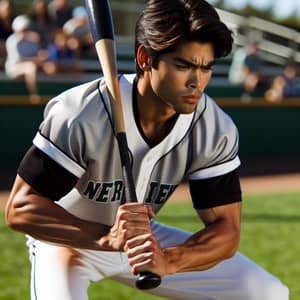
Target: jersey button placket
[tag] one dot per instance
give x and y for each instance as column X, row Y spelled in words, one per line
column 146, row 170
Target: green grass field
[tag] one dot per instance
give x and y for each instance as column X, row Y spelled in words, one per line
column 270, row 228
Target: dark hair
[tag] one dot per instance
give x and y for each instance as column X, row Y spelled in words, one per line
column 164, row 24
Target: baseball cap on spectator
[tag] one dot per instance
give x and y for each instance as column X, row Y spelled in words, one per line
column 79, row 12
column 20, row 23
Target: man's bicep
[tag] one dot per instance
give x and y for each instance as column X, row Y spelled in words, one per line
column 45, row 175
column 229, row 213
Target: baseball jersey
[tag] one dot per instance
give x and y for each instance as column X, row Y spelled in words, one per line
column 77, row 138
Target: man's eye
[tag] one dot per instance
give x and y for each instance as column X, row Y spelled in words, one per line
column 207, row 69
column 182, row 67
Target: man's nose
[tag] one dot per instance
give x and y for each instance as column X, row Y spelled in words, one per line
column 194, row 80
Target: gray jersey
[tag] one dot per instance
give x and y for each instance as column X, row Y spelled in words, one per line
column 77, row 133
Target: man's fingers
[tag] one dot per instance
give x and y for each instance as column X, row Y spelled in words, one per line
column 138, row 246
column 137, row 243
column 144, row 254
column 151, row 214
column 134, row 207
column 132, row 219
column 137, row 208
column 134, row 216
column 131, row 234
column 141, row 266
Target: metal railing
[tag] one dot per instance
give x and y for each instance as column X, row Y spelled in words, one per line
column 278, row 44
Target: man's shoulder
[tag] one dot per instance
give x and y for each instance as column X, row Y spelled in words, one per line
column 93, row 93
column 76, row 100
column 213, row 115
column 82, row 90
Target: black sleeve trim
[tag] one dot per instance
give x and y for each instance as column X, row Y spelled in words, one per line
column 217, row 191
column 45, row 175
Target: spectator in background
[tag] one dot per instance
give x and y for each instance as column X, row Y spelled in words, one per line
column 61, row 57
column 41, row 22
column 78, row 28
column 60, row 12
column 6, row 17
column 245, row 69
column 285, row 85
column 24, row 57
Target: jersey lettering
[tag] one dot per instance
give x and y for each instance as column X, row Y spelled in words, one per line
column 114, row 192
column 159, row 193
column 104, row 191
column 118, row 191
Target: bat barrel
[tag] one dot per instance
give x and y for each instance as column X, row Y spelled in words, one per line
column 100, row 19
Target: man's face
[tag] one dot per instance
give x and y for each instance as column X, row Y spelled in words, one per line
column 181, row 76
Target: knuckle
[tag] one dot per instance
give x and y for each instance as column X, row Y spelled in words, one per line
column 128, row 245
column 124, row 235
column 151, row 247
column 122, row 225
column 122, row 214
column 153, row 264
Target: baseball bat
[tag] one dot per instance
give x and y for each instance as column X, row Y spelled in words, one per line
column 101, row 26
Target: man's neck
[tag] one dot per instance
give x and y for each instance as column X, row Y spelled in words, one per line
column 153, row 116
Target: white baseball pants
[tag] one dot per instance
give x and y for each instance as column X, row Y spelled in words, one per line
column 64, row 274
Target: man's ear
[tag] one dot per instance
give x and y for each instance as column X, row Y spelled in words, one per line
column 143, row 58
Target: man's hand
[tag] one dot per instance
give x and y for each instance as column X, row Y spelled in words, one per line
column 132, row 220
column 144, row 254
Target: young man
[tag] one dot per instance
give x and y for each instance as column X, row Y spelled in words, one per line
column 68, row 191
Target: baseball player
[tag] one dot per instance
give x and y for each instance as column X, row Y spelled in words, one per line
column 68, row 192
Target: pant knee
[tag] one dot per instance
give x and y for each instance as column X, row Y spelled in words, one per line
column 276, row 291
column 268, row 288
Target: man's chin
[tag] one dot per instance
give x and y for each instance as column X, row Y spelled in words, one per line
column 186, row 109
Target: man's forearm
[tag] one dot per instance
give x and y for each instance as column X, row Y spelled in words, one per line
column 44, row 220
column 204, row 249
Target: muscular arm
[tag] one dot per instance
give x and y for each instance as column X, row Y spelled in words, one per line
column 29, row 212
column 217, row 241
column 218, row 203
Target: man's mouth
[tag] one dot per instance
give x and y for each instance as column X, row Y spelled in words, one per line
column 191, row 99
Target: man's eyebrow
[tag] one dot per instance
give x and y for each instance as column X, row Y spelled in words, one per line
column 193, row 65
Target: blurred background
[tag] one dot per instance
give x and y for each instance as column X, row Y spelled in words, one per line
column 258, row 84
